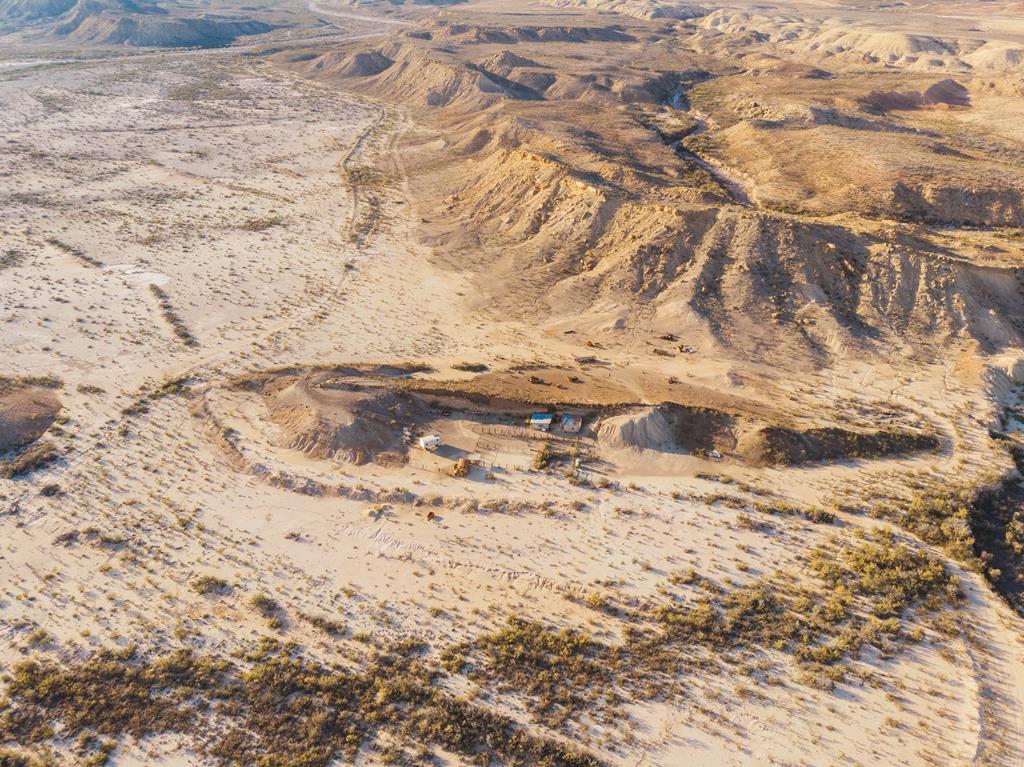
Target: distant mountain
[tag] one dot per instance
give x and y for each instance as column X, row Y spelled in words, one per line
column 34, row 10
column 123, row 22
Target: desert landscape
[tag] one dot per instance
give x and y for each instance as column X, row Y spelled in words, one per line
column 551, row 382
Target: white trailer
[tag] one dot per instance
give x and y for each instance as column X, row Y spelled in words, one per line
column 431, row 442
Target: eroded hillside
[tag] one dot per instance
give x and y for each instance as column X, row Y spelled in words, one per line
column 628, row 178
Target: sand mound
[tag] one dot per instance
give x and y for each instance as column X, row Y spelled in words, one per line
column 522, row 77
column 360, row 64
column 341, row 423
column 648, row 428
column 506, row 62
column 432, row 80
column 887, row 47
column 948, row 93
column 25, row 414
column 365, row 64
column 160, row 32
column 997, row 56
column 668, row 427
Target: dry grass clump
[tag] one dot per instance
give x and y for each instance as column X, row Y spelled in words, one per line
column 14, row 759
column 939, row 518
column 327, row 625
column 261, row 224
column 364, row 175
column 168, row 388
column 264, row 605
column 983, row 527
column 892, row 574
column 13, row 383
column 9, row 259
column 31, row 459
column 108, row 695
column 210, row 584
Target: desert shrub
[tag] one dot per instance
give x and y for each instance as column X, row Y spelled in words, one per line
column 261, row 224
column 543, row 456
column 210, row 584
column 819, row 515
column 941, row 519
column 265, row 605
column 814, row 514
column 327, row 625
column 364, row 175
column 29, row 460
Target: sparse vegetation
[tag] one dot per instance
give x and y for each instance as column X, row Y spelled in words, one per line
column 173, row 318
column 281, row 708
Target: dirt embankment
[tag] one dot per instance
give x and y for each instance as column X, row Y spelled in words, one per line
column 329, row 413
column 782, row 446
column 341, row 422
column 701, row 431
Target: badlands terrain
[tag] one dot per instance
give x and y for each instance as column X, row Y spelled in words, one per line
column 759, row 266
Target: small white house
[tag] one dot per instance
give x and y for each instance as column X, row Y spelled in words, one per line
column 430, row 442
column 571, row 424
column 541, row 421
